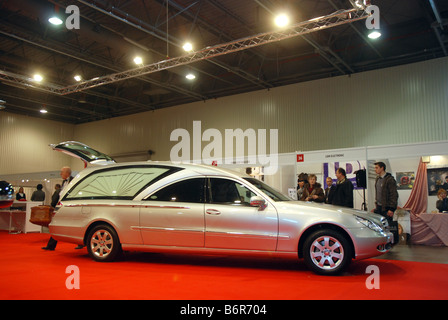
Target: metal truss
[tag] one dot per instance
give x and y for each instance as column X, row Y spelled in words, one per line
column 332, row 20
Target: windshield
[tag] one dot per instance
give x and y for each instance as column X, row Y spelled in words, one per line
column 269, row 191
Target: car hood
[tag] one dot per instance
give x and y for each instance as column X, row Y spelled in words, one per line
column 326, row 211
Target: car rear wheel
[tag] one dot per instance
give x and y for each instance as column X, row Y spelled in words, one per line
column 327, row 252
column 103, row 244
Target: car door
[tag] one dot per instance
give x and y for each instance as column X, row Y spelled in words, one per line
column 230, row 221
column 174, row 215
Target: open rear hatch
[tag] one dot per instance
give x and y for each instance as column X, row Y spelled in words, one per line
column 83, row 152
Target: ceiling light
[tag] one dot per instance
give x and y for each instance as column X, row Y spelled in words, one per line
column 190, row 76
column 188, row 47
column 55, row 21
column 282, row 20
column 138, row 60
column 43, row 111
column 37, row 77
column 374, row 35
column 78, row 77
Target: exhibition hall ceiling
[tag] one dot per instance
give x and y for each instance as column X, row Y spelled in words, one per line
column 103, row 41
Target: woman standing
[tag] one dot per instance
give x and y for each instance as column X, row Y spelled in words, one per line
column 314, row 192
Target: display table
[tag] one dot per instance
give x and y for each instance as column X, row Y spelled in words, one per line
column 16, row 218
column 430, row 229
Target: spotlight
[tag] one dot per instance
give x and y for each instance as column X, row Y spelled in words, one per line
column 37, row 77
column 190, row 76
column 77, row 78
column 55, row 21
column 138, row 60
column 374, row 35
column 43, row 111
column 282, row 20
column 188, row 47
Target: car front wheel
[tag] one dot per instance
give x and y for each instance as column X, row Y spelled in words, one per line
column 103, row 244
column 327, row 252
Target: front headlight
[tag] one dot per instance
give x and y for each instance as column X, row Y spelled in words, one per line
column 369, row 224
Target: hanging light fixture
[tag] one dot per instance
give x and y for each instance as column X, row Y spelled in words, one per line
column 37, row 77
column 138, row 60
column 282, row 20
column 55, row 19
column 374, row 34
column 187, row 47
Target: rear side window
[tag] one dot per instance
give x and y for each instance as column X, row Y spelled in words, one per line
column 191, row 190
column 117, row 183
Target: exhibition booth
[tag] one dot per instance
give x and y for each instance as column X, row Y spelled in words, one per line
column 419, row 169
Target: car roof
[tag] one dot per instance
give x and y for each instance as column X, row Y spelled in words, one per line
column 197, row 168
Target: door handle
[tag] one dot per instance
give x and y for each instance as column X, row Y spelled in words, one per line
column 213, row 212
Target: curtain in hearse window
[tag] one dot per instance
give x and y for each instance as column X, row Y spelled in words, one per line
column 117, row 183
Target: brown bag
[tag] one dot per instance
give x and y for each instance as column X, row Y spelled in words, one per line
column 41, row 215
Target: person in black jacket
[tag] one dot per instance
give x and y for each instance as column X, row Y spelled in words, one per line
column 21, row 196
column 442, row 203
column 38, row 195
column 386, row 198
column 55, row 196
column 343, row 195
column 329, row 190
column 66, row 175
column 385, row 191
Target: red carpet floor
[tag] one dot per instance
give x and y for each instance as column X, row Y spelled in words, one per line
column 28, row 272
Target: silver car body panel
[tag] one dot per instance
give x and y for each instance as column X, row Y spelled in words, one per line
column 207, row 227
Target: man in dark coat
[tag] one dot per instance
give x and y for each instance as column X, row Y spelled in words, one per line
column 343, row 195
column 386, row 198
column 66, row 175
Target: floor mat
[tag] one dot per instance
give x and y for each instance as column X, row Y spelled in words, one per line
column 28, row 272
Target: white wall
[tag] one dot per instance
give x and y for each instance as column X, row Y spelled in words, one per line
column 24, row 144
column 404, row 104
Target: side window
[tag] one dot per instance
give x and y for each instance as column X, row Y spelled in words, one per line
column 226, row 191
column 191, row 190
column 117, row 183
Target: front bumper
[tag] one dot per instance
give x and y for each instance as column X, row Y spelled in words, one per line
column 370, row 244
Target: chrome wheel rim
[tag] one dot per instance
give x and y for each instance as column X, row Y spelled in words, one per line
column 101, row 243
column 327, row 252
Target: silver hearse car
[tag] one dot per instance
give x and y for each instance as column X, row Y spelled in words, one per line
column 166, row 207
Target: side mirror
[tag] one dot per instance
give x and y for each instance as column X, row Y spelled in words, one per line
column 258, row 202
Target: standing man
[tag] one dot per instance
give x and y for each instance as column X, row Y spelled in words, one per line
column 343, row 195
column 66, row 175
column 386, row 196
column 329, row 190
